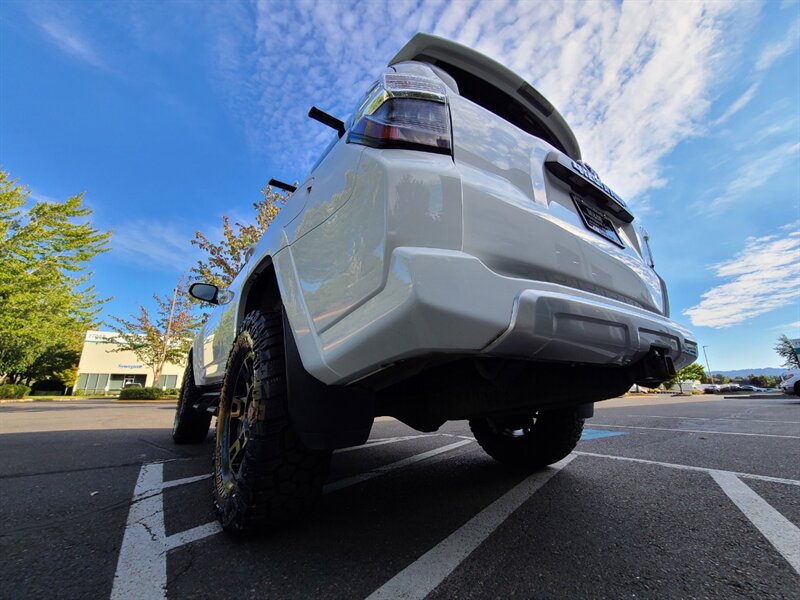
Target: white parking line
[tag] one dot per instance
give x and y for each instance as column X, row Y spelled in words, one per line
column 770, row 435
column 690, row 468
column 779, row 531
column 740, row 420
column 423, row 575
column 185, row 481
column 194, row 534
column 142, row 565
column 381, row 442
column 348, row 481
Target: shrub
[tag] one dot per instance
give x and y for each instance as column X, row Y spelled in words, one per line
column 13, row 390
column 48, row 385
column 140, row 393
column 171, row 392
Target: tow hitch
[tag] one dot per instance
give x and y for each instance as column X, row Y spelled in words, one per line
column 655, row 368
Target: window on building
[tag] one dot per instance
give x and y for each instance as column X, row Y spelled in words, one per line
column 168, row 381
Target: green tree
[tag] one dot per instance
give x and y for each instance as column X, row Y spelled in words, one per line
column 786, row 351
column 45, row 296
column 691, row 372
column 759, row 381
column 224, row 258
column 58, row 362
column 166, row 337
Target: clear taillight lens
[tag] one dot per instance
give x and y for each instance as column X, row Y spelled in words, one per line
column 408, row 112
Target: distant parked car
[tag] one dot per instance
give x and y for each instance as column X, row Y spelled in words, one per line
column 750, row 388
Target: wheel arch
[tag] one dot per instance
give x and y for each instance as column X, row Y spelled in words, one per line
column 260, row 291
column 324, row 416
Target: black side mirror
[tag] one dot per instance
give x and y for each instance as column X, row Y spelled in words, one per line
column 205, row 292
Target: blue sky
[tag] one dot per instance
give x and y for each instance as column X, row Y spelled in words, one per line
column 169, row 115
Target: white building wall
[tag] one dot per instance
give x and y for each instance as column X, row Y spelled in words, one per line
column 112, row 369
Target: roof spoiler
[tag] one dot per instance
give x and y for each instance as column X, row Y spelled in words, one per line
column 424, row 47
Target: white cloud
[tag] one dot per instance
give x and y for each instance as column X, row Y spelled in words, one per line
column 754, row 173
column 632, row 79
column 154, row 245
column 762, row 277
column 780, row 48
column 70, row 41
column 768, row 56
column 737, row 105
column 789, row 326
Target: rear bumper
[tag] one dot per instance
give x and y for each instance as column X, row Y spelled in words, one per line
column 561, row 327
column 443, row 301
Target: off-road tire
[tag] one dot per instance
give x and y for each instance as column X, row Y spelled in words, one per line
column 190, row 426
column 273, row 478
column 797, row 388
column 539, row 441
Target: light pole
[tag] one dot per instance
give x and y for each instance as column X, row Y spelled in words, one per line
column 708, row 366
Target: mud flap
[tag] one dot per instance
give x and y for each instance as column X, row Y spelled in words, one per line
column 324, row 416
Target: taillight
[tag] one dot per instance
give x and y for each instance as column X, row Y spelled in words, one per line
column 404, row 111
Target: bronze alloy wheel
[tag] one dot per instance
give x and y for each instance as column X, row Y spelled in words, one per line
column 236, row 421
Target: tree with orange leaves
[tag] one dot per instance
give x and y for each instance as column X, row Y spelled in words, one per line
column 162, row 338
column 225, row 258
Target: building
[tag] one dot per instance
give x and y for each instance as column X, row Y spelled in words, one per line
column 102, row 371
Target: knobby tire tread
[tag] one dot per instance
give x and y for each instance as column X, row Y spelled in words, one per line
column 553, row 436
column 280, row 480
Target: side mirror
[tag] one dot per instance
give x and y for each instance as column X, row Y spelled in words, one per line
column 205, row 292
column 210, row 293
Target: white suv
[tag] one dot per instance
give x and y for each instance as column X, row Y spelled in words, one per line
column 448, row 257
column 790, row 382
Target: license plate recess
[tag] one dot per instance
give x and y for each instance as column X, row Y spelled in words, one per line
column 595, row 220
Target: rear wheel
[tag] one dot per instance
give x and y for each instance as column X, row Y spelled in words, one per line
column 529, row 442
column 797, row 388
column 264, row 476
column 190, row 425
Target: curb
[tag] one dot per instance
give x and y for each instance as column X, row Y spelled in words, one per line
column 159, row 401
column 108, row 398
column 34, row 399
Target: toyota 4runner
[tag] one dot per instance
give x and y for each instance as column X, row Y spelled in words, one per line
column 450, row 256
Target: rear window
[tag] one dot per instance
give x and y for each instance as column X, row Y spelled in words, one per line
column 500, row 103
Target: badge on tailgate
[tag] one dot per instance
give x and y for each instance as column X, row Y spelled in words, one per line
column 583, row 179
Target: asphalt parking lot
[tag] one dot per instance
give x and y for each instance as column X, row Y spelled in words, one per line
column 664, row 498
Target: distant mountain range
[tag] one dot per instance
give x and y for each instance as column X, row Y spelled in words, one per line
column 771, row 371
